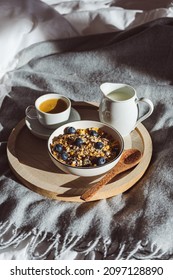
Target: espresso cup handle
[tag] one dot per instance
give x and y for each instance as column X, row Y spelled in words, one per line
column 150, row 110
column 31, row 112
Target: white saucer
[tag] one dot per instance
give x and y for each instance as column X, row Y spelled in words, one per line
column 42, row 132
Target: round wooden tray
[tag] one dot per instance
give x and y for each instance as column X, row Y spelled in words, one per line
column 30, row 162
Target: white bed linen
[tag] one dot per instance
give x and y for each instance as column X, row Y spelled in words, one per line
column 25, row 22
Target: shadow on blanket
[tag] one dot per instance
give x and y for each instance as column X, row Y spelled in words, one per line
column 134, row 225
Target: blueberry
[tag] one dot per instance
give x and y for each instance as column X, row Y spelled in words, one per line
column 64, row 156
column 93, row 133
column 70, row 130
column 98, row 145
column 78, row 142
column 101, row 161
column 115, row 149
column 58, row 148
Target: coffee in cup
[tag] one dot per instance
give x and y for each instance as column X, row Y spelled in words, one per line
column 51, row 110
column 53, row 106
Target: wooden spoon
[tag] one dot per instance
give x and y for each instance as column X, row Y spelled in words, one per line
column 129, row 159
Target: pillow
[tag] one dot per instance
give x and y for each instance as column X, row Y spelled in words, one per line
column 25, row 22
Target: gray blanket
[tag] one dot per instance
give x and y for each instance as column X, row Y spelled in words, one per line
column 137, row 224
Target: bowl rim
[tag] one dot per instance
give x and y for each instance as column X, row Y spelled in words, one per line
column 87, row 167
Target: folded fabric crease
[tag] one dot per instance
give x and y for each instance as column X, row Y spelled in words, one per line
column 133, row 225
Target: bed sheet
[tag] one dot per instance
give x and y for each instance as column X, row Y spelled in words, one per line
column 37, row 39
column 24, row 23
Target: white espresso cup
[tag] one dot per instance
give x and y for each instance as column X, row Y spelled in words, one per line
column 119, row 107
column 50, row 109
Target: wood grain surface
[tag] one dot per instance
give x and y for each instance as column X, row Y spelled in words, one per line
column 29, row 160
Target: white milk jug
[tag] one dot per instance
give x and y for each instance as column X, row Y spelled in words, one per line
column 119, row 107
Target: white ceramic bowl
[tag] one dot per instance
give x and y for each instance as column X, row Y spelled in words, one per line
column 86, row 171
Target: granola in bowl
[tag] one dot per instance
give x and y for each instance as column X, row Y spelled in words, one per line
column 85, row 148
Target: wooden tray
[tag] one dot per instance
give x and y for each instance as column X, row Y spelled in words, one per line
column 30, row 162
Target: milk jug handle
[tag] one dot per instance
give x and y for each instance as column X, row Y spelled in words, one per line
column 150, row 110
